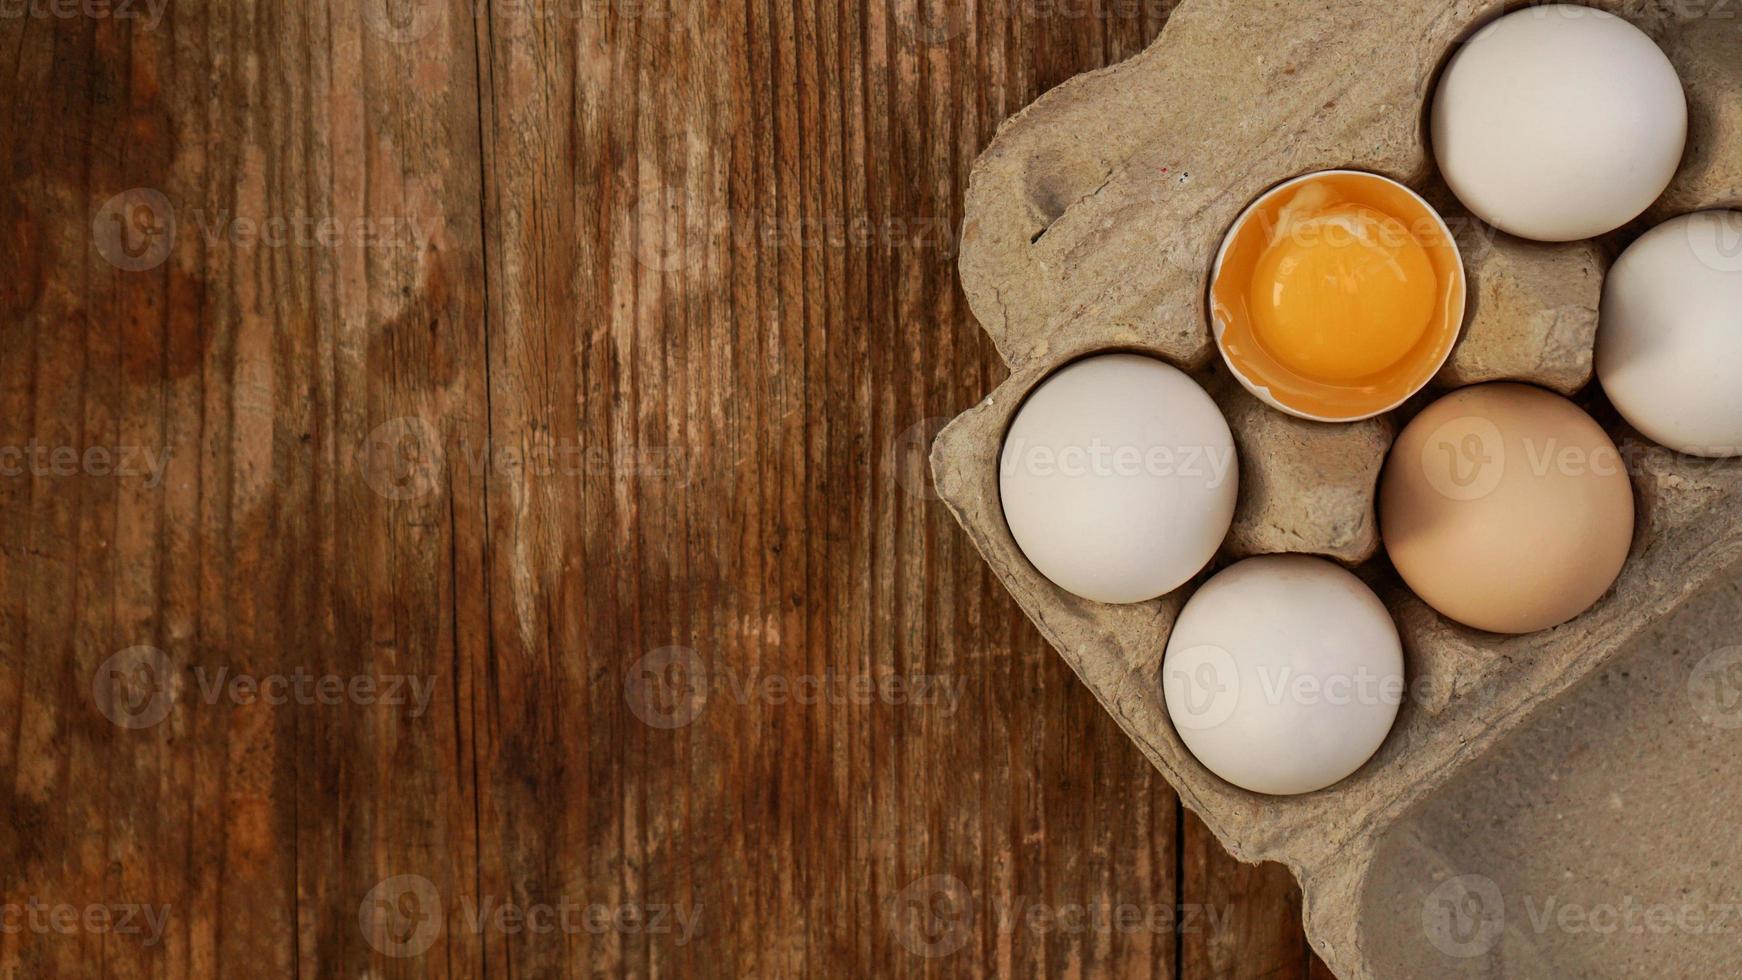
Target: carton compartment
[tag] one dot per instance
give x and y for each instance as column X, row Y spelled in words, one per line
column 1598, row 839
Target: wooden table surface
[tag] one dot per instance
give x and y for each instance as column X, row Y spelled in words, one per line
column 463, row 507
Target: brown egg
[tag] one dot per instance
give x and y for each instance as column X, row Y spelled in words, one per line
column 1506, row 508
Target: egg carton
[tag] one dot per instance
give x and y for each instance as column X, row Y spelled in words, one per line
column 1091, row 223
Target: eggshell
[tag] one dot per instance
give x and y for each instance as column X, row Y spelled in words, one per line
column 1283, row 674
column 1669, row 342
column 1118, row 478
column 1506, row 508
column 1559, row 122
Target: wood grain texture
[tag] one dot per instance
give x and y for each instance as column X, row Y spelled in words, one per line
column 541, row 576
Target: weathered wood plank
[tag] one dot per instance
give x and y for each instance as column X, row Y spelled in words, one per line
column 610, row 432
column 315, row 189
column 1250, row 926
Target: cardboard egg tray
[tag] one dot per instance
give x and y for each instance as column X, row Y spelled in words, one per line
column 1091, row 223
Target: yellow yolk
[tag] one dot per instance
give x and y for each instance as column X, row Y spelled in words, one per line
column 1337, row 295
column 1342, row 292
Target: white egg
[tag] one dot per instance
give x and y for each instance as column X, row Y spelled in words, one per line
column 1118, row 478
column 1283, row 674
column 1559, row 123
column 1669, row 342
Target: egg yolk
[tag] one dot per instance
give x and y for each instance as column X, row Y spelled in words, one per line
column 1343, row 291
column 1337, row 295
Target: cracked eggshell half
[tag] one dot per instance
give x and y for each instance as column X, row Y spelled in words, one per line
column 1337, row 295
